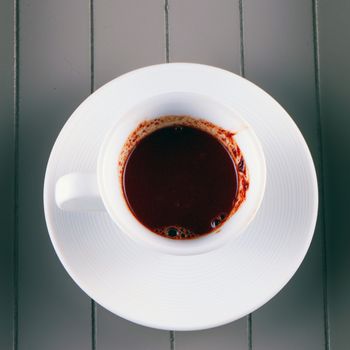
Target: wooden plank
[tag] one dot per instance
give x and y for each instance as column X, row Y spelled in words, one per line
column 54, row 78
column 278, row 45
column 334, row 51
column 6, row 173
column 207, row 32
column 127, row 35
column 228, row 337
column 114, row 332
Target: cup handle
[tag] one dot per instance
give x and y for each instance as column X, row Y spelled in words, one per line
column 78, row 192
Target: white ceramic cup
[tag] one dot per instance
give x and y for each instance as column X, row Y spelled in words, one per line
column 102, row 191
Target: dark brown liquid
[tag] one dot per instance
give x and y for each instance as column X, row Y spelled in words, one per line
column 180, row 182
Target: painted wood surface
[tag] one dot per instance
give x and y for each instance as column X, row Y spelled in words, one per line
column 55, row 53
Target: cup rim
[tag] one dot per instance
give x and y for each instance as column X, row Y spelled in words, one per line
column 145, row 236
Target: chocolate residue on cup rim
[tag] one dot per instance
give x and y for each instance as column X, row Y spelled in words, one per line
column 226, row 137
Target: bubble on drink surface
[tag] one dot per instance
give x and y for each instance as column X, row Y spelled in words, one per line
column 241, row 165
column 175, row 232
column 172, row 232
column 218, row 220
column 178, row 128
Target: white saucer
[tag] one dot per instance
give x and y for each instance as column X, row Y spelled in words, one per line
column 185, row 292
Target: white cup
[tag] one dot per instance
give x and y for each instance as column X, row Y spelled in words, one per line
column 102, row 191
